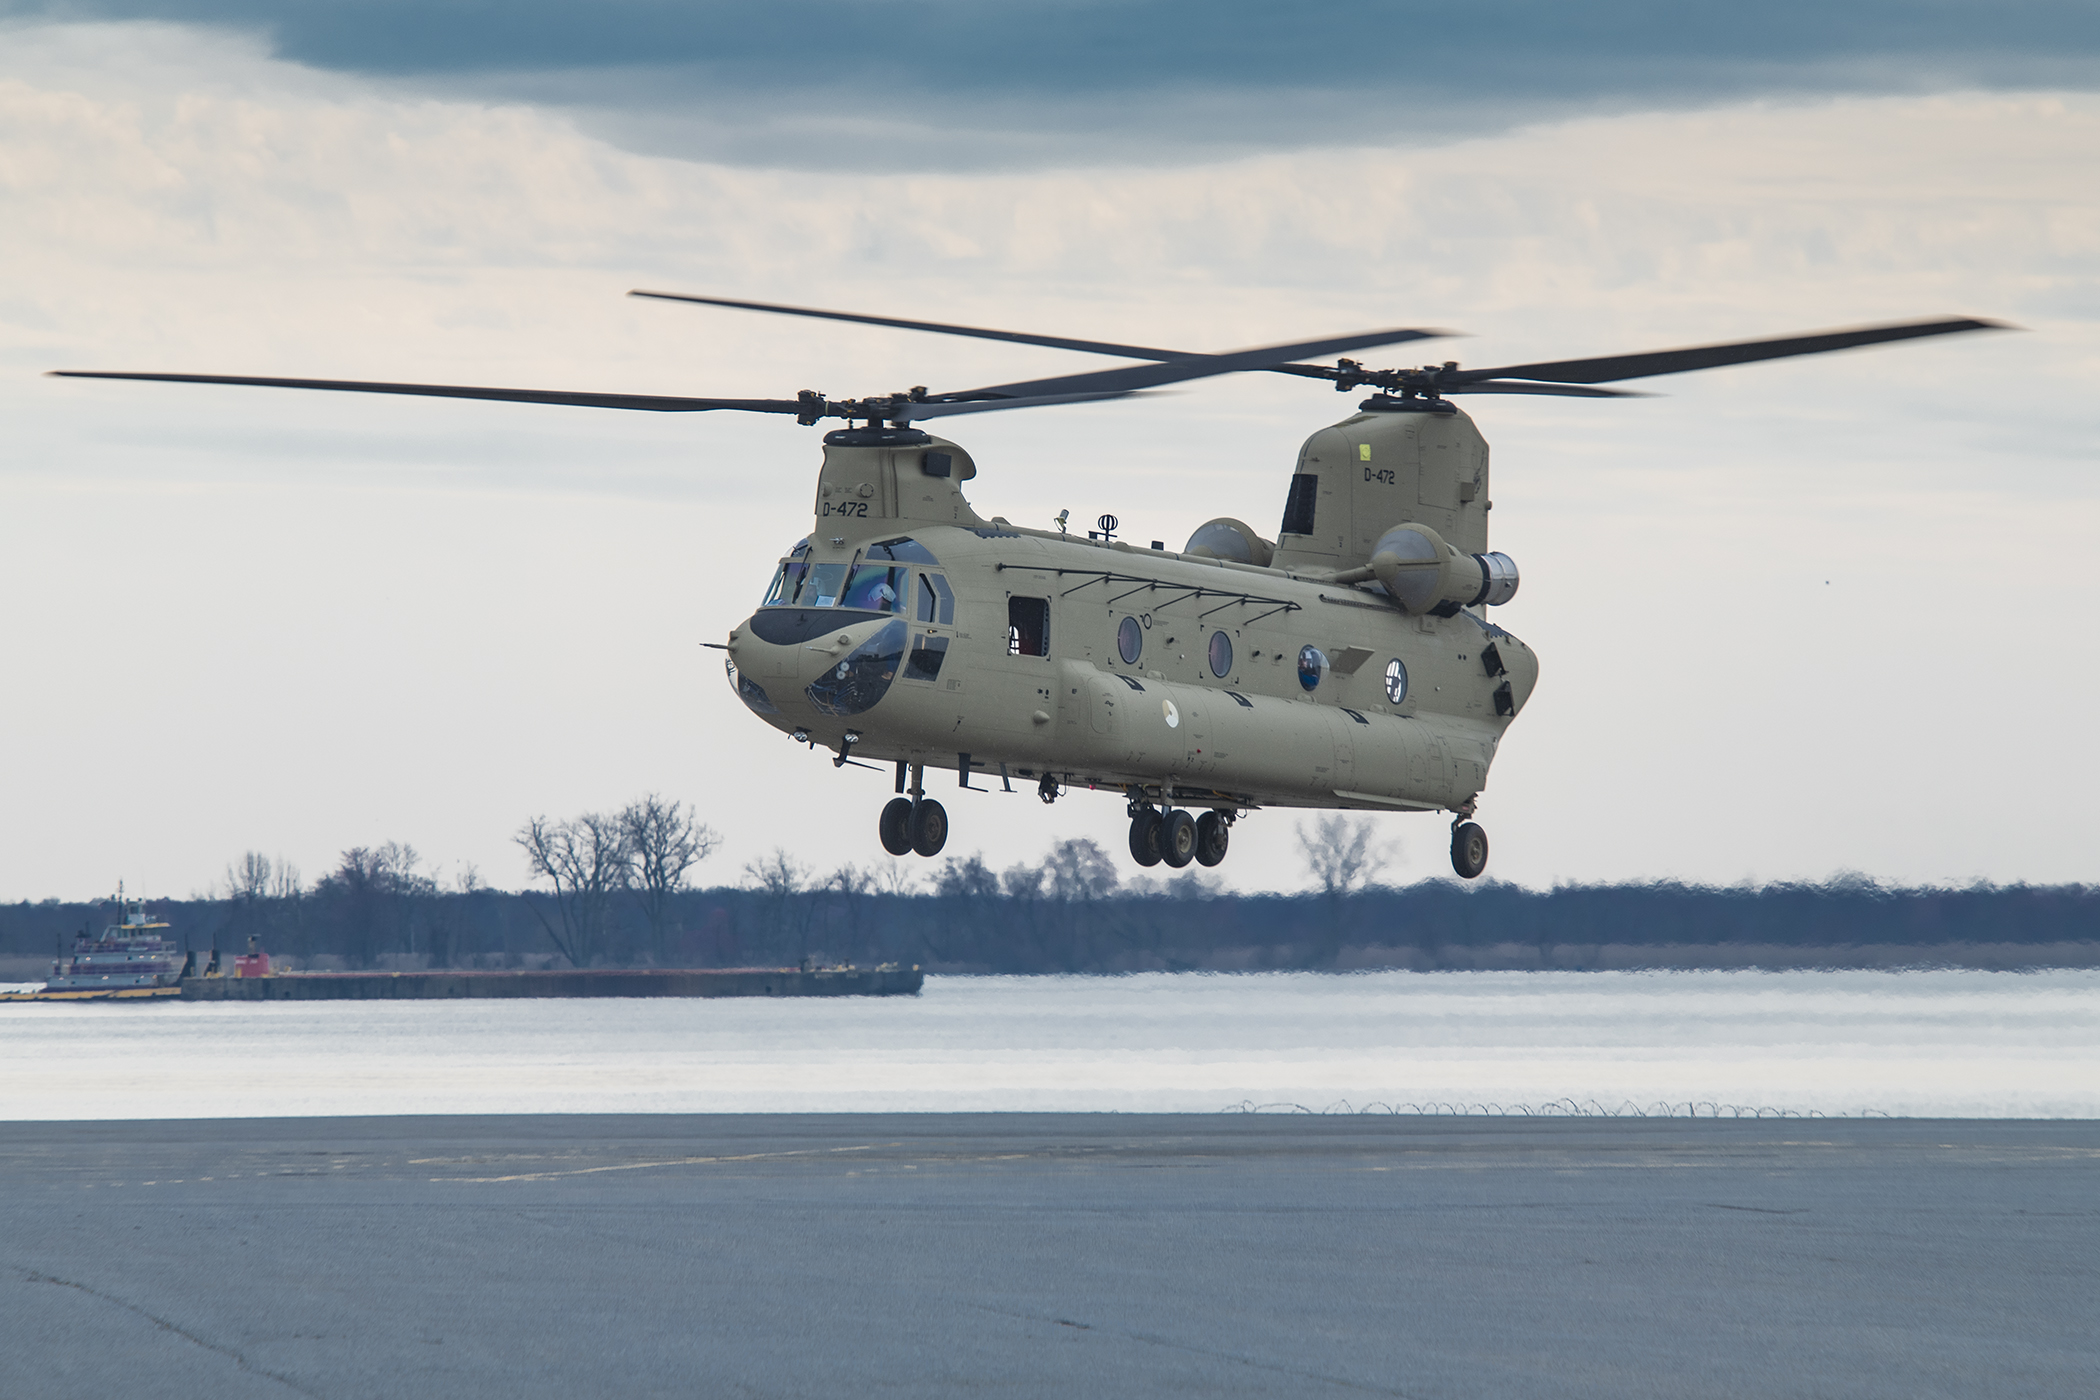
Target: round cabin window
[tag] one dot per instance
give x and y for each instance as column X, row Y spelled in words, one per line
column 1312, row 664
column 1130, row 641
column 1220, row 655
column 1395, row 681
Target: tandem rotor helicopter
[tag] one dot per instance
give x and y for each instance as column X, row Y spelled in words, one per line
column 1348, row 663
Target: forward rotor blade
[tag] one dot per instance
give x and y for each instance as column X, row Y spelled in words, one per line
column 1607, row 368
column 1195, row 367
column 1091, row 347
column 656, row 403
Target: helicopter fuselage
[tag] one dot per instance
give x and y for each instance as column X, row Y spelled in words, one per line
column 1007, row 653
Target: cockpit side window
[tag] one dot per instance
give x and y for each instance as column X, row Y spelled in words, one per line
column 789, row 576
column 926, row 599
column 944, row 598
column 785, row 583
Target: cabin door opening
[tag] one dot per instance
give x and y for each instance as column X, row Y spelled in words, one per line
column 1027, row 626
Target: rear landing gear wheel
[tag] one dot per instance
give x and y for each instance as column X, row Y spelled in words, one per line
column 896, row 827
column 1144, row 836
column 1469, row 850
column 929, row 827
column 1213, row 835
column 1177, row 839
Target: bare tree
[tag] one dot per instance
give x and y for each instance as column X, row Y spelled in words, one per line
column 286, row 908
column 1023, row 882
column 248, row 898
column 248, row 879
column 896, row 878
column 853, row 885
column 369, row 904
column 1079, row 870
column 965, row 888
column 1341, row 853
column 967, row 878
column 665, row 841
column 778, row 874
column 782, row 879
column 447, row 912
column 589, row 862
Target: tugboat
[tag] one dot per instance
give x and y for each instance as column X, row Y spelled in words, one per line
column 132, row 959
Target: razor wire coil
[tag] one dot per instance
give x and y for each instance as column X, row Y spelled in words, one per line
column 1552, row 1108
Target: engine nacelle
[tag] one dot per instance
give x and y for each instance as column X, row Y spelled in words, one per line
column 1424, row 574
column 1226, row 538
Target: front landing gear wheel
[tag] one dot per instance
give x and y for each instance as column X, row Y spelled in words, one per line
column 1469, row 850
column 929, row 827
column 1213, row 835
column 1177, row 839
column 1144, row 836
column 896, row 827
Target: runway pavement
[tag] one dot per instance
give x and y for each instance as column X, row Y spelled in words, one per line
column 1049, row 1255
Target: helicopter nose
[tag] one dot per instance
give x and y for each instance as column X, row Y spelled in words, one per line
column 856, row 666
column 816, row 666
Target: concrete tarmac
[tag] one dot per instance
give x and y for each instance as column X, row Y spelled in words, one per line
column 1048, row 1255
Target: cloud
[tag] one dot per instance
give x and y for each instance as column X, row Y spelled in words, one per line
column 928, row 84
column 374, row 619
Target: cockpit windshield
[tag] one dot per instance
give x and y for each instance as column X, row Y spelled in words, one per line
column 821, row 586
column 876, row 588
column 902, row 551
column 878, row 582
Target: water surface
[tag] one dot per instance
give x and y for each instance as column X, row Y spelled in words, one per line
column 1965, row 1044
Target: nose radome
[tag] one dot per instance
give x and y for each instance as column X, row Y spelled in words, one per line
column 816, row 666
column 852, row 676
column 822, row 654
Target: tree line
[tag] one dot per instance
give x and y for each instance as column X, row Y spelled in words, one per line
column 618, row 889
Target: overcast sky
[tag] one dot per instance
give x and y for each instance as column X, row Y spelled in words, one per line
column 1794, row 619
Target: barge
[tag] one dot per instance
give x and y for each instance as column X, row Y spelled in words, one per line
column 887, row 980
column 135, row 960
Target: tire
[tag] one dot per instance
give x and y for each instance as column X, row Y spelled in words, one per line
column 896, row 827
column 1213, row 835
column 1469, row 851
column 1177, row 839
column 929, row 827
column 1144, row 837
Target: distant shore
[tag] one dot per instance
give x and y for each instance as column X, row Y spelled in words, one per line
column 1006, row 924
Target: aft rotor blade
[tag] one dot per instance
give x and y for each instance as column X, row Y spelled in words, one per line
column 914, row 411
column 1092, row 347
column 1382, row 380
column 655, row 403
column 1111, row 381
column 1607, row 368
column 1564, row 391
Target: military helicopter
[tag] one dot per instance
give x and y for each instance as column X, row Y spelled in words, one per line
column 1348, row 663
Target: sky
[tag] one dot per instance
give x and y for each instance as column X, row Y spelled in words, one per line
column 1795, row 620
